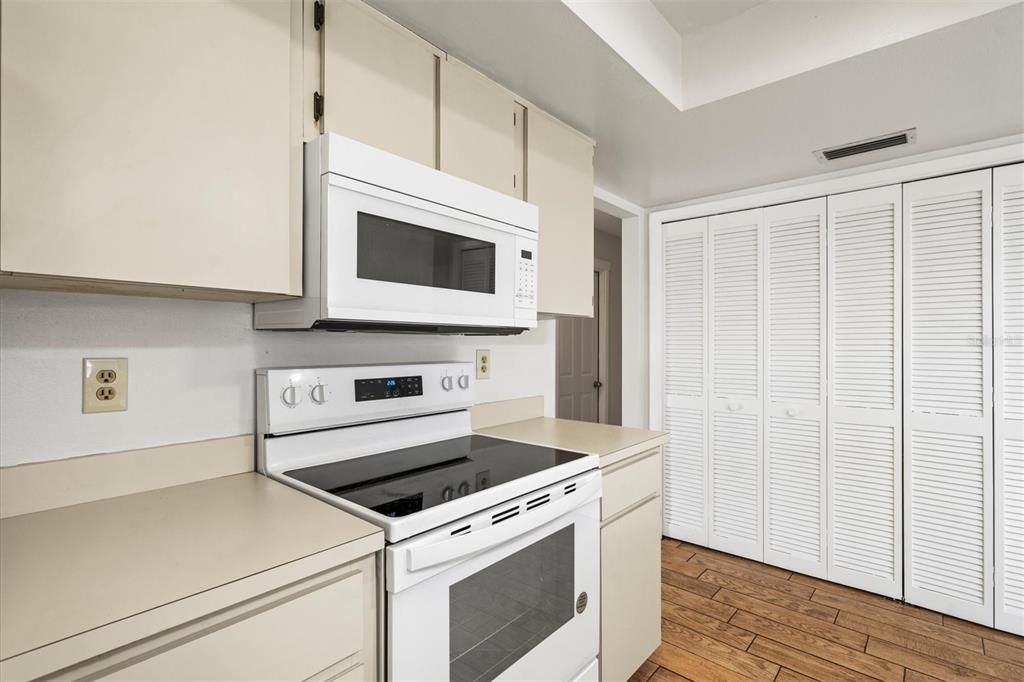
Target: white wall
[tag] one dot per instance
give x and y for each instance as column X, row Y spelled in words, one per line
column 190, row 368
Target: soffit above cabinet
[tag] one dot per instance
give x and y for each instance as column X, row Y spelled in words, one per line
column 651, row 153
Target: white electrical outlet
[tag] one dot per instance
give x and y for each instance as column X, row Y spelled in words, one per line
column 104, row 385
column 483, row 363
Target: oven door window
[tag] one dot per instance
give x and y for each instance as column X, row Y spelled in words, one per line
column 394, row 251
column 497, row 615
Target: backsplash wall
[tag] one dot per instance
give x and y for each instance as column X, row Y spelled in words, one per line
column 190, row 368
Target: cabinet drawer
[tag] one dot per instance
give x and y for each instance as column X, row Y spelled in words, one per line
column 630, row 482
column 293, row 637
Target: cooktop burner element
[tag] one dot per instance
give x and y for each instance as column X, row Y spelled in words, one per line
column 409, row 480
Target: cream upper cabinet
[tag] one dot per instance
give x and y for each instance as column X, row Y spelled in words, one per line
column 560, row 181
column 479, row 125
column 379, row 82
column 154, row 143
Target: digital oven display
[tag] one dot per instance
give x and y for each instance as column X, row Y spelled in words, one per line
column 388, row 387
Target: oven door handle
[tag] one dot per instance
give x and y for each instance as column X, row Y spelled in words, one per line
column 460, row 546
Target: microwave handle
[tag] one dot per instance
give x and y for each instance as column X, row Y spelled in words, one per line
column 460, row 546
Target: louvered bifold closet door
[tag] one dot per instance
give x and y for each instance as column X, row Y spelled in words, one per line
column 1008, row 299
column 735, row 405
column 794, row 446
column 947, row 286
column 685, row 379
column 865, row 402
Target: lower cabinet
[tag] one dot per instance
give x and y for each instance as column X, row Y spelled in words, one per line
column 320, row 628
column 630, row 565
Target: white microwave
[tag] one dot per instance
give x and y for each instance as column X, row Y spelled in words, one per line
column 391, row 245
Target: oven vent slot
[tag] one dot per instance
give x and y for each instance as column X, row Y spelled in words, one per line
column 538, row 501
column 504, row 515
column 571, row 488
column 461, row 531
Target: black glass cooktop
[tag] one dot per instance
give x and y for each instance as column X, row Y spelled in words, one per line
column 403, row 482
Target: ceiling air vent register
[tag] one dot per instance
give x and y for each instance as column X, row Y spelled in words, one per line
column 871, row 144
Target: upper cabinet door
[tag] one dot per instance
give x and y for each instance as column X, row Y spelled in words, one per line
column 795, row 510
column 560, row 181
column 478, row 121
column 685, row 366
column 947, row 284
column 379, row 82
column 865, row 399
column 735, row 406
column 1008, row 293
column 152, row 142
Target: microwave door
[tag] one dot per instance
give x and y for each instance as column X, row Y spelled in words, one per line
column 395, row 262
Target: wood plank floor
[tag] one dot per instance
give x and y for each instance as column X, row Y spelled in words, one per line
column 726, row 618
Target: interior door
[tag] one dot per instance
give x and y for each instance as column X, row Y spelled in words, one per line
column 947, row 239
column 579, row 380
column 865, row 399
column 1008, row 332
column 685, row 364
column 735, row 404
column 794, row 470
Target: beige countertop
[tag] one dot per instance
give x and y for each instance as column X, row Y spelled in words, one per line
column 72, row 569
column 611, row 443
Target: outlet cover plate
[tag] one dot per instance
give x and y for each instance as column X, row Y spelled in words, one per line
column 483, row 363
column 104, row 385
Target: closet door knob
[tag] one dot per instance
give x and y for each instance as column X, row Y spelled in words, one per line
column 792, row 411
column 734, row 406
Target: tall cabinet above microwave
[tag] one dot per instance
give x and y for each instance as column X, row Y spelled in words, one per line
column 393, row 245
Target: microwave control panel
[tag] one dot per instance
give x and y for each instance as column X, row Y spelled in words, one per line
column 526, row 273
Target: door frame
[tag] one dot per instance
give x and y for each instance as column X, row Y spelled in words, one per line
column 603, row 269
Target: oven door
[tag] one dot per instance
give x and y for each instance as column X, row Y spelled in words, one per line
column 395, row 258
column 525, row 607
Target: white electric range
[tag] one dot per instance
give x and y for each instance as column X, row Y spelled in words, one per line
column 493, row 547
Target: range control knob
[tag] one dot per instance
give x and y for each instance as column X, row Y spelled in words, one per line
column 290, row 396
column 318, row 394
column 463, row 488
column 446, row 383
column 447, row 493
column 464, row 382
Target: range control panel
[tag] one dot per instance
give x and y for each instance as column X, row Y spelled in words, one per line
column 320, row 397
column 388, row 387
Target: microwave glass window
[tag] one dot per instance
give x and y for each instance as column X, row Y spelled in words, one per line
column 393, row 251
column 498, row 614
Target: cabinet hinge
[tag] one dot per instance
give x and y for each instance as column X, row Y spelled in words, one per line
column 318, row 15
column 318, row 106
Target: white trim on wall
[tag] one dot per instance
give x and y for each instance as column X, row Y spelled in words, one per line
column 635, row 321
column 656, row 301
column 987, row 154
column 603, row 269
